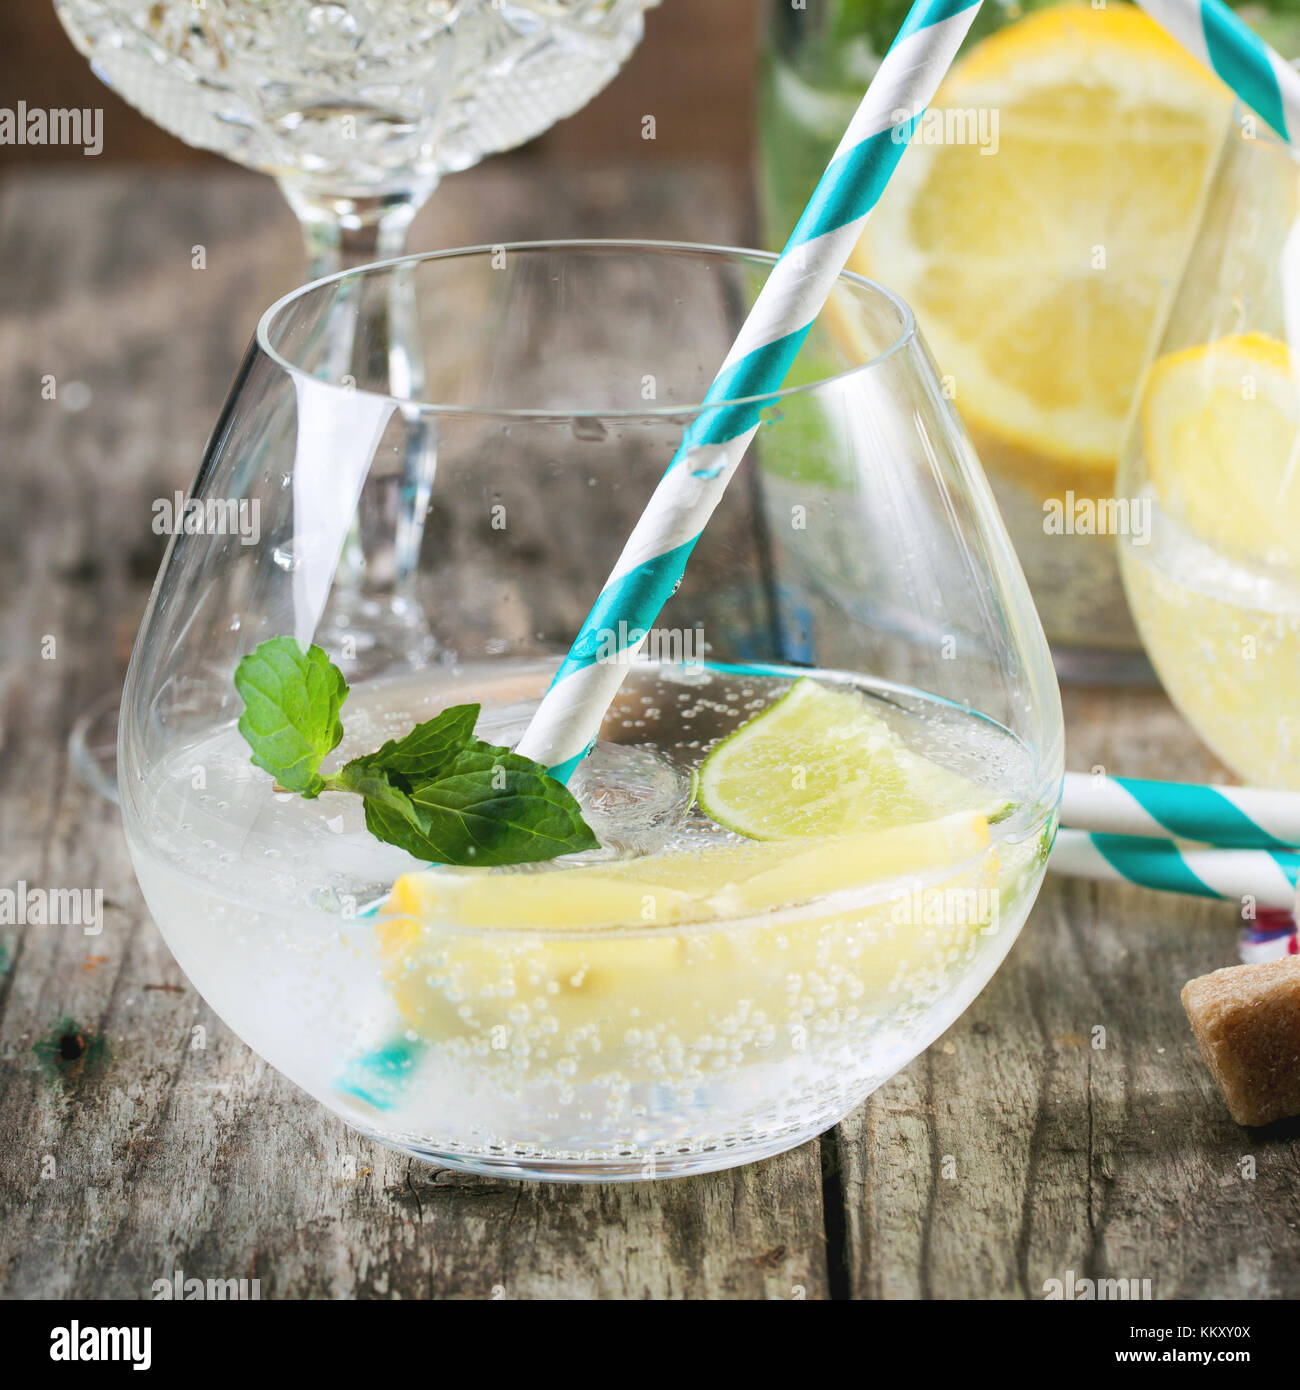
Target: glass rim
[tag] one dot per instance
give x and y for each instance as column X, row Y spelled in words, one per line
column 907, row 333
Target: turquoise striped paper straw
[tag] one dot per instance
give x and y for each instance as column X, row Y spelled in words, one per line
column 1266, row 877
column 654, row 558
column 1210, row 31
column 1228, row 817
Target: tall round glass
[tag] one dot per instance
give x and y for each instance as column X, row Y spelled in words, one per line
column 1212, row 563
column 763, row 936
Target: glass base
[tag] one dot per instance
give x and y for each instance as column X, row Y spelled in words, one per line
column 1103, row 666
column 633, row 1168
column 92, row 746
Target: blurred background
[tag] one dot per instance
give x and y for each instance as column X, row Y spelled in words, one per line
column 694, row 71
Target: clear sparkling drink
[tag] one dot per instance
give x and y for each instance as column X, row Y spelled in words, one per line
column 1224, row 637
column 654, row 1003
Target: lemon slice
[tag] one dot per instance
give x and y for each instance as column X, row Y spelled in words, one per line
column 853, row 861
column 1036, row 266
column 681, row 888
column 821, row 761
column 1221, row 429
column 634, row 1003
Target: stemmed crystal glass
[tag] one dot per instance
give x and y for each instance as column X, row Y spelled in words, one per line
column 685, row 997
column 357, row 108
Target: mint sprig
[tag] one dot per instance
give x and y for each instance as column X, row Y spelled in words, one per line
column 438, row 792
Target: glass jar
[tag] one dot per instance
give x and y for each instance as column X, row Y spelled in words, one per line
column 1036, row 225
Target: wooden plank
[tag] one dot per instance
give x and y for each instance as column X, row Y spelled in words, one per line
column 1016, row 1149
column 142, row 1138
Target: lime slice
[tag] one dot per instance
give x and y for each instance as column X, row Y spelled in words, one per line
column 821, row 761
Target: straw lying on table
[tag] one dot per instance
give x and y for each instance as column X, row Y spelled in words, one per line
column 1123, row 830
column 1210, row 31
column 1230, row 817
column 654, row 558
column 1268, row 877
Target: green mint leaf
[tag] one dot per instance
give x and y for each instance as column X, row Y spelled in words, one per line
column 429, row 748
column 437, row 792
column 292, row 700
column 486, row 807
column 496, row 807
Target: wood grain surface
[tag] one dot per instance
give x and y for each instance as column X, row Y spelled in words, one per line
column 1013, row 1151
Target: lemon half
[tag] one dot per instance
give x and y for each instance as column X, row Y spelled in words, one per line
column 1036, row 265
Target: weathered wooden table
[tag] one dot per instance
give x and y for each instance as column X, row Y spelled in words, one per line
column 1011, row 1152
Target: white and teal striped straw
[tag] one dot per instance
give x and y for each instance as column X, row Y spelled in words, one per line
column 1227, row 817
column 654, row 558
column 1210, row 31
column 1265, row 877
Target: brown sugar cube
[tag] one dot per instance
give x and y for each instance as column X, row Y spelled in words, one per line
column 1247, row 1021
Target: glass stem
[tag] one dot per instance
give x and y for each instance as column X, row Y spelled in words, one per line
column 375, row 579
column 341, row 233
